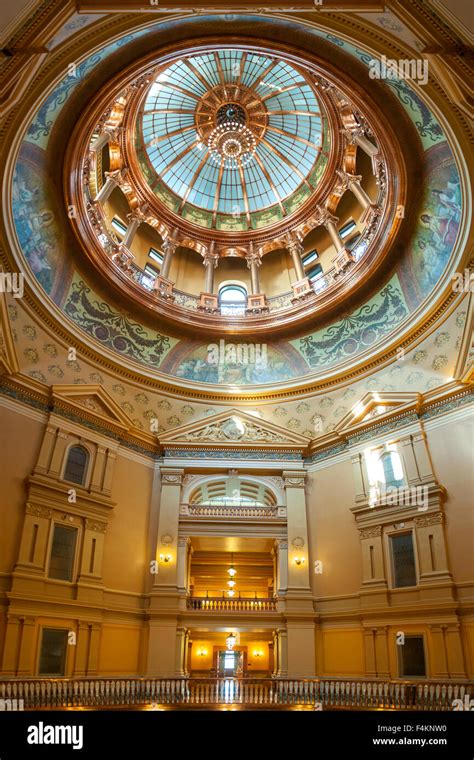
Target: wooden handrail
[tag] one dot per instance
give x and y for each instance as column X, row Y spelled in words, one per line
column 60, row 693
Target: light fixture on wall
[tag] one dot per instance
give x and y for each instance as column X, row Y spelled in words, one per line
column 202, row 652
column 165, row 557
column 299, row 560
column 231, row 641
column 258, row 653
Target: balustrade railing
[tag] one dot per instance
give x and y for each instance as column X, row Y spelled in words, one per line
column 286, row 693
column 218, row 604
column 231, row 510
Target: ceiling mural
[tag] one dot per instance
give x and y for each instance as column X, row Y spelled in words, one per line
column 428, row 366
column 47, row 245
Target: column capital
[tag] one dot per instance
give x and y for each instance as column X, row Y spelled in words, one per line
column 210, row 259
column 294, row 478
column 293, row 244
column 170, row 245
column 346, row 179
column 171, row 476
column 254, row 258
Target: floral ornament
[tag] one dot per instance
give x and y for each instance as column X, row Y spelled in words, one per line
column 96, row 378
column 75, row 366
column 173, row 421
column 388, row 388
column 340, row 411
column 150, row 414
column 372, row 383
column 280, row 412
column 164, row 405
column 127, row 407
column 395, row 371
column 117, row 388
column 326, row 402
column 439, row 361
column 187, row 411
column 414, row 377
column 29, row 331
column 458, row 342
column 138, row 424
column 31, row 354
column 36, row 375
column 316, row 418
column 14, row 335
column 12, row 312
column 460, row 319
column 302, row 408
column 55, row 370
column 308, row 433
column 330, row 428
column 141, row 398
column 433, row 383
column 349, row 393
column 50, row 349
column 79, row 381
column 293, row 423
column 420, row 356
column 441, row 338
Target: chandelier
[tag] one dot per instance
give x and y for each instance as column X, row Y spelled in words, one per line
column 231, row 143
column 231, row 641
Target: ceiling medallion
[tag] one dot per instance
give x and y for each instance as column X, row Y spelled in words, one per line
column 231, row 143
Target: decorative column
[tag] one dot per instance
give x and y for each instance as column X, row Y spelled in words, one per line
column 352, row 182
column 299, row 606
column 163, row 285
column 302, row 285
column 282, row 653
column 182, row 564
column 210, row 261
column 113, row 180
column 381, row 652
column 356, row 136
column 373, row 572
column 135, row 220
column 432, row 556
column 282, row 567
column 165, row 598
column 27, row 647
column 256, row 300
column 208, row 301
column 108, row 134
column 180, row 652
column 343, row 257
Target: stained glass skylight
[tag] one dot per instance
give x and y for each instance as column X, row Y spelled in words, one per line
column 208, row 166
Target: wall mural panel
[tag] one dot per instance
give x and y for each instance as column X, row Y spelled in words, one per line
column 42, row 232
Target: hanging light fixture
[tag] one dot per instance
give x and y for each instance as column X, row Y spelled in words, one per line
column 231, row 571
column 231, row 641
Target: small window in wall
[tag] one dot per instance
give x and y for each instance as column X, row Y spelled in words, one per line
column 412, row 657
column 53, row 652
column 76, row 465
column 308, row 258
column 392, row 469
column 232, row 299
column 315, row 272
column 61, row 563
column 119, row 226
column 403, row 560
column 346, row 229
column 155, row 255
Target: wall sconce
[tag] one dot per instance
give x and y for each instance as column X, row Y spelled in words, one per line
column 165, row 557
column 202, row 652
column 258, row 653
column 299, row 561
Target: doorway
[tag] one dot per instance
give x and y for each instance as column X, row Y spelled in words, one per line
column 230, row 663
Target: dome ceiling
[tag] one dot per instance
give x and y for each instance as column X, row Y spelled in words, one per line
column 232, row 133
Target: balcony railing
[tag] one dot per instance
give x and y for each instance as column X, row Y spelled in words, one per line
column 323, row 694
column 232, row 510
column 223, row 604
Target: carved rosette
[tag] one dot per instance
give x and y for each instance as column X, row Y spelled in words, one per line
column 373, row 532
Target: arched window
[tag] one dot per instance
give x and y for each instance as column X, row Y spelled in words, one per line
column 232, row 299
column 76, row 465
column 392, row 469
